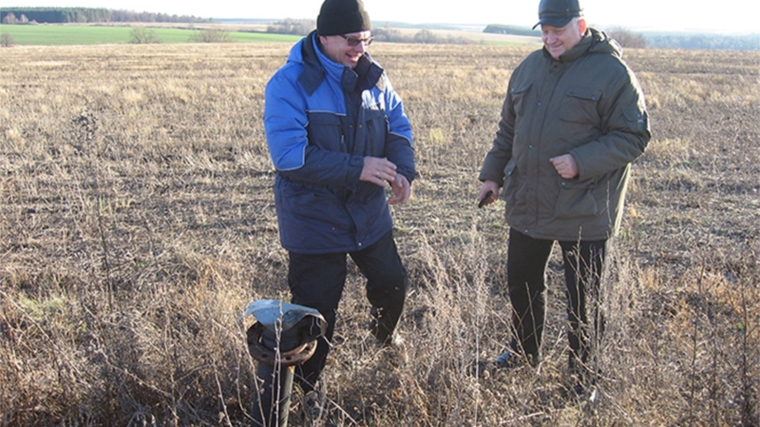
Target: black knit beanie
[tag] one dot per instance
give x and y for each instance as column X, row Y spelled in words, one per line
column 342, row 17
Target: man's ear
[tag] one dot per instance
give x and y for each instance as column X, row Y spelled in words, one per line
column 582, row 25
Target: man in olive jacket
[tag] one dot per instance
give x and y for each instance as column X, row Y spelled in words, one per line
column 573, row 120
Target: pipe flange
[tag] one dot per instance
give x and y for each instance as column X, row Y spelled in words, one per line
column 261, row 354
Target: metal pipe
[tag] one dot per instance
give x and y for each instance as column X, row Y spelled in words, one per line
column 283, row 336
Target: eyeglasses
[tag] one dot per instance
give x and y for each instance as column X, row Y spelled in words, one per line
column 353, row 41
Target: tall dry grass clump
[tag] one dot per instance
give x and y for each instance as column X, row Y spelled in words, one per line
column 138, row 222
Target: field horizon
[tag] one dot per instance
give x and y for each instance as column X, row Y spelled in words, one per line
column 257, row 30
column 138, row 222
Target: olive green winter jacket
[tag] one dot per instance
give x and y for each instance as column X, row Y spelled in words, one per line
column 588, row 104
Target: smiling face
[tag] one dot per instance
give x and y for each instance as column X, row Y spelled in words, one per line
column 559, row 40
column 339, row 48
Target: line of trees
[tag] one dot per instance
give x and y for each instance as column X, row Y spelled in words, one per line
column 66, row 15
column 292, row 26
column 423, row 36
column 511, row 29
column 631, row 39
column 142, row 35
column 305, row 26
column 749, row 42
column 628, row 38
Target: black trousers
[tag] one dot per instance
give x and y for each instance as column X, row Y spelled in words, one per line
column 526, row 277
column 317, row 281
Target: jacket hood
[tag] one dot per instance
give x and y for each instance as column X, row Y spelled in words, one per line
column 594, row 41
column 603, row 43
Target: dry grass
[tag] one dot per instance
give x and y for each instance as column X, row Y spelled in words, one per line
column 137, row 222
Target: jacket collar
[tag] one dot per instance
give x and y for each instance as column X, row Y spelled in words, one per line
column 312, row 73
column 317, row 66
column 594, row 41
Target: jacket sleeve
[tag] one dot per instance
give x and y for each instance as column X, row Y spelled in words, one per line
column 625, row 133
column 398, row 144
column 285, row 123
column 501, row 150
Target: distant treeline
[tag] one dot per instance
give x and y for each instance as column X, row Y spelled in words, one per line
column 704, row 41
column 656, row 40
column 511, row 29
column 423, row 36
column 292, row 26
column 305, row 26
column 10, row 15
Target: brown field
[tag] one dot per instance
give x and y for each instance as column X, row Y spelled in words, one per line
column 137, row 222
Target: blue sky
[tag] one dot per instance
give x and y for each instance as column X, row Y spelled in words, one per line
column 727, row 16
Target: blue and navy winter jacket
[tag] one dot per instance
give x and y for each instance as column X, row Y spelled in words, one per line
column 321, row 120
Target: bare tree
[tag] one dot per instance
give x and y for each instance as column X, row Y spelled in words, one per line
column 6, row 40
column 290, row 26
column 10, row 19
column 211, row 35
column 627, row 38
column 140, row 35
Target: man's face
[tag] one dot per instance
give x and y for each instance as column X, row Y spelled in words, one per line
column 559, row 40
column 346, row 49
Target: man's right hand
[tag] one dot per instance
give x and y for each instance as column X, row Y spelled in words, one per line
column 378, row 171
column 493, row 188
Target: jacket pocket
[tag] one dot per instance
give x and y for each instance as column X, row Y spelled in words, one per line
column 325, row 130
column 518, row 95
column 376, row 126
column 579, row 107
column 304, row 203
column 576, row 200
column 515, row 193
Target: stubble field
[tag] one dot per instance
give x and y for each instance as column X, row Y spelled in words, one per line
column 137, row 222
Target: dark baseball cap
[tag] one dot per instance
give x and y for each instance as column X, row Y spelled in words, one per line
column 558, row 13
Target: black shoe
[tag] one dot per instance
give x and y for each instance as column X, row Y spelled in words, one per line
column 481, row 369
column 383, row 326
column 579, row 389
column 511, row 359
column 584, row 392
column 585, row 376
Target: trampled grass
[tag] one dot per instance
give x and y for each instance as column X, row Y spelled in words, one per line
column 137, row 221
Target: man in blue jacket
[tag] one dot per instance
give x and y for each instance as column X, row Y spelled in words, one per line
column 339, row 139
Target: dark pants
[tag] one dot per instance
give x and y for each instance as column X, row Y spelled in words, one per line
column 317, row 281
column 526, row 270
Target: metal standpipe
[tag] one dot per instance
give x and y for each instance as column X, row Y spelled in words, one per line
column 283, row 336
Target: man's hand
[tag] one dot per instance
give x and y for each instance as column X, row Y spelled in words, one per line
column 565, row 165
column 378, row 171
column 488, row 186
column 401, row 190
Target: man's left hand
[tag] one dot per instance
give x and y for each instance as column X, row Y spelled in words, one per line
column 565, row 165
column 401, row 190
